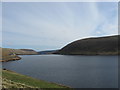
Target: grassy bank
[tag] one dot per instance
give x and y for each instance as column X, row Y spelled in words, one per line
column 15, row 80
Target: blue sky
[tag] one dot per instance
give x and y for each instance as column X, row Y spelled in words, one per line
column 52, row 25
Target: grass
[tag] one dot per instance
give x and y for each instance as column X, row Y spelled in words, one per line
column 15, row 80
column 11, row 84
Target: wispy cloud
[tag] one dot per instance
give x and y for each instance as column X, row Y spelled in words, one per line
column 52, row 25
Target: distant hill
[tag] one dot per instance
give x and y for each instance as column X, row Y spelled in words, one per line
column 47, row 52
column 24, row 51
column 7, row 54
column 92, row 46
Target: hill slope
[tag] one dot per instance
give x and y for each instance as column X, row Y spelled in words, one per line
column 92, row 46
column 24, row 51
column 7, row 54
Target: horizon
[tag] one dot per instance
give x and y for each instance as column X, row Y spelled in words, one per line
column 62, row 46
column 52, row 25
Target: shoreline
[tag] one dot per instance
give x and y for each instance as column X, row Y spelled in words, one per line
column 11, row 59
column 29, row 81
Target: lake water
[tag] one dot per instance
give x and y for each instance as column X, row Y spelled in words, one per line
column 74, row 71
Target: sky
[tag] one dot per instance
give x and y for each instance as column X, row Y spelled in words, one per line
column 52, row 25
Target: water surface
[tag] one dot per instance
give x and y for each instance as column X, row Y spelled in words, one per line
column 75, row 71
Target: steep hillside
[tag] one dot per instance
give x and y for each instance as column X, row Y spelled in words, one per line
column 92, row 46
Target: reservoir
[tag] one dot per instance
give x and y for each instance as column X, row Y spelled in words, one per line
column 71, row 70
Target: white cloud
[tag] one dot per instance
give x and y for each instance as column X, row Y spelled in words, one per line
column 46, row 24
